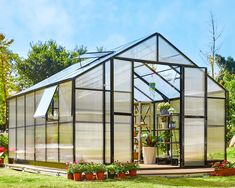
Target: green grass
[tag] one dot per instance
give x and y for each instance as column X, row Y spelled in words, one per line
column 12, row 178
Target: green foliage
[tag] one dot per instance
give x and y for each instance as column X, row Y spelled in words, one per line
column 99, row 167
column 88, row 168
column 44, row 60
column 112, row 168
column 76, row 168
column 163, row 106
column 149, row 140
column 4, row 140
column 132, row 166
column 121, row 167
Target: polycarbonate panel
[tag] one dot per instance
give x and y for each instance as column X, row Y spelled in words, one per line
column 20, row 143
column 122, row 138
column 52, row 141
column 140, row 96
column 89, row 142
column 194, row 150
column 20, row 111
column 122, row 102
column 12, row 143
column 146, row 50
column 38, row 95
column 176, row 105
column 65, row 102
column 40, row 143
column 66, row 142
column 12, row 113
column 30, row 143
column 45, row 102
column 29, row 109
column 89, row 106
column 122, row 75
column 91, row 79
column 107, row 128
column 107, row 75
column 216, row 111
column 169, row 54
column 194, row 106
column 194, row 80
column 215, row 143
column 214, row 90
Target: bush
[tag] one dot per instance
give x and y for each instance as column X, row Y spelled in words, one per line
column 4, row 140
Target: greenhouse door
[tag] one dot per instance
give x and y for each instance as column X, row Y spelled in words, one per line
column 194, row 116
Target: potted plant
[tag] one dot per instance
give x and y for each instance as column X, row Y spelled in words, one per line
column 132, row 168
column 163, row 107
column 2, row 156
column 172, row 124
column 149, row 149
column 100, row 169
column 70, row 172
column 112, row 168
column 224, row 168
column 77, row 170
column 121, row 170
column 89, row 170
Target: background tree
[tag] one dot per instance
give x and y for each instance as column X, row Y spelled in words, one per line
column 44, row 60
column 6, row 78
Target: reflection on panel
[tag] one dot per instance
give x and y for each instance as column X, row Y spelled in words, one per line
column 194, row 142
column 122, row 138
column 30, row 143
column 29, row 109
column 89, row 106
column 52, row 141
column 20, row 143
column 38, row 96
column 214, row 90
column 12, row 113
column 122, row 102
column 12, row 143
column 66, row 142
column 40, row 143
column 65, row 100
column 89, row 142
column 20, row 111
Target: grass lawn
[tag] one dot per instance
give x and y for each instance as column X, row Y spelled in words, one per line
column 12, row 178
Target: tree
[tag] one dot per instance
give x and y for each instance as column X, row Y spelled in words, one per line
column 99, row 48
column 44, row 60
column 6, row 78
column 214, row 35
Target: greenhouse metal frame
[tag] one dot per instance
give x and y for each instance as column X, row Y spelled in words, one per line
column 86, row 111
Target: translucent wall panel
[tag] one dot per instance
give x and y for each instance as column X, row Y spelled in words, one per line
column 122, row 102
column 12, row 143
column 194, row 106
column 91, row 79
column 12, row 113
column 194, row 151
column 66, row 142
column 52, row 141
column 40, row 143
column 122, row 138
column 145, row 50
column 122, row 75
column 167, row 53
column 30, row 142
column 107, row 128
column 107, row 75
column 20, row 143
column 89, row 105
column 176, row 105
column 38, row 96
column 214, row 90
column 65, row 100
column 215, row 130
column 89, row 142
column 20, row 111
column 29, row 109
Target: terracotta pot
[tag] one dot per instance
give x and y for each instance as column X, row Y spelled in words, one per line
column 100, row 175
column 149, row 155
column 224, row 172
column 10, row 161
column 121, row 175
column 77, row 176
column 1, row 160
column 132, row 173
column 89, row 176
column 70, row 176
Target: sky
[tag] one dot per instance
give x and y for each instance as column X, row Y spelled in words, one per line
column 111, row 23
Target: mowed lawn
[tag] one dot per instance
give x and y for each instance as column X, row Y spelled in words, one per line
column 12, row 178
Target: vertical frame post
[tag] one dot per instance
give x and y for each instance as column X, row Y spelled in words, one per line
column 112, row 109
column 104, row 113
column 74, row 118
column 132, row 111
column 205, row 116
column 181, row 125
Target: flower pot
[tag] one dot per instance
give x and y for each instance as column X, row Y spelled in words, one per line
column 164, row 112
column 89, row 176
column 100, row 175
column 149, row 155
column 10, row 160
column 77, row 176
column 132, row 173
column 111, row 175
column 70, row 176
column 224, row 172
column 2, row 161
column 121, row 175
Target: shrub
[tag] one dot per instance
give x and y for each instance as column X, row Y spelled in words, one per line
column 4, row 140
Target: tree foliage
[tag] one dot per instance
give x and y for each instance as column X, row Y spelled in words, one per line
column 44, row 60
column 6, row 78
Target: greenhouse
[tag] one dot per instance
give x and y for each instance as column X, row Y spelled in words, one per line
column 101, row 108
